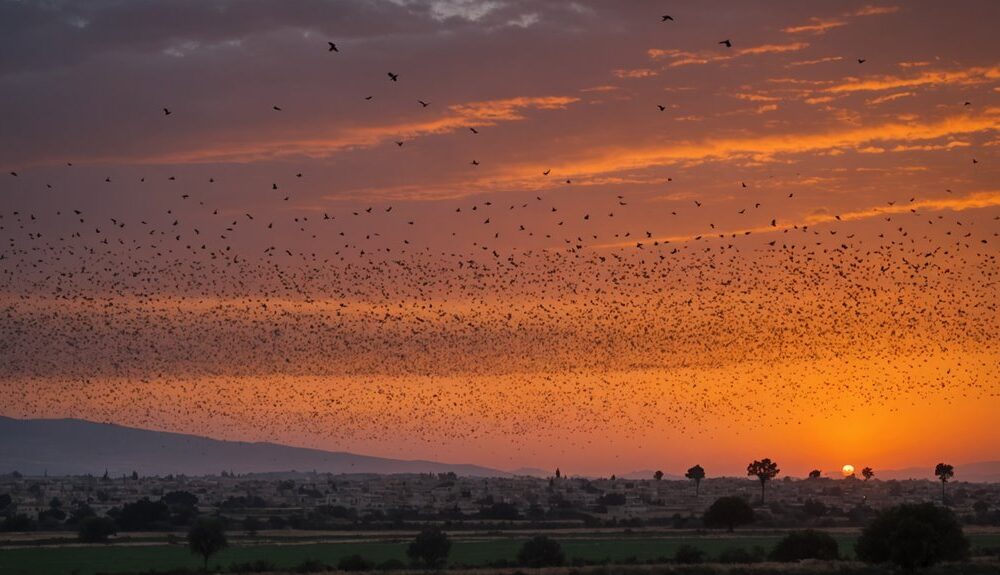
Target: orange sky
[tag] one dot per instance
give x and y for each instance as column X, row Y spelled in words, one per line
column 795, row 258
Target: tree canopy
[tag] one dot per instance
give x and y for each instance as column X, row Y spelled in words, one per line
column 541, row 551
column 913, row 535
column 431, row 547
column 207, row 537
column 729, row 512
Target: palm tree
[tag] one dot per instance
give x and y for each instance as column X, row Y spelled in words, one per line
column 867, row 473
column 944, row 473
column 697, row 473
column 765, row 470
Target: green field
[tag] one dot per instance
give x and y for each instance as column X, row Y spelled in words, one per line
column 87, row 560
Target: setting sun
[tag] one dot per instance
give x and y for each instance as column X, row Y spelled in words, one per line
column 847, row 470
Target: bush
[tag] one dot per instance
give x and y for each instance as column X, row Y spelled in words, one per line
column 96, row 529
column 312, row 566
column 742, row 555
column 19, row 522
column 728, row 512
column 913, row 535
column 258, row 566
column 391, row 565
column 689, row 555
column 354, row 563
column 808, row 544
column 431, row 547
column 540, row 551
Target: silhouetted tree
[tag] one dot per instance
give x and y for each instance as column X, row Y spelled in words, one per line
column 540, row 551
column 689, row 555
column 355, row 562
column 431, row 547
column 815, row 473
column 807, row 544
column 95, row 529
column 558, row 473
column 765, row 470
column 944, row 473
column 142, row 515
column 814, row 508
column 913, row 535
column 658, row 475
column 728, row 512
column 867, row 473
column 207, row 537
column 696, row 473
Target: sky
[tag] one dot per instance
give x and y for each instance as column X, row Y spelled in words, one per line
column 511, row 233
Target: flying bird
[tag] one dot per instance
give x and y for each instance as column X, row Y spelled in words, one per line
column 333, row 47
column 726, row 43
column 393, row 77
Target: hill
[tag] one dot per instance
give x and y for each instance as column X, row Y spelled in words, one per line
column 74, row 446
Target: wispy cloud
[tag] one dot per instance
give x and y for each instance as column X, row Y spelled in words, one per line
column 816, row 61
column 891, row 136
column 973, row 201
column 818, row 25
column 876, row 10
column 970, row 76
column 675, row 58
column 457, row 117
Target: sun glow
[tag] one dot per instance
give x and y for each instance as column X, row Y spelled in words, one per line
column 847, row 470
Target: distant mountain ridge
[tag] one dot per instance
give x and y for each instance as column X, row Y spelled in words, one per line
column 977, row 472
column 78, row 447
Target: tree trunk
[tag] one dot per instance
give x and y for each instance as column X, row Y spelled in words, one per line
column 762, row 492
column 697, row 487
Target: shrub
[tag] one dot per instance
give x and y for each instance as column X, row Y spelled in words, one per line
column 258, row 566
column 391, row 565
column 742, row 555
column 913, row 535
column 312, row 566
column 689, row 555
column 808, row 544
column 540, row 551
column 431, row 547
column 728, row 512
column 354, row 563
column 96, row 529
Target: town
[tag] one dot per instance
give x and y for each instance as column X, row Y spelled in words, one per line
column 330, row 502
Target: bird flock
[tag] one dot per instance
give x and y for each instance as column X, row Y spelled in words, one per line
column 538, row 320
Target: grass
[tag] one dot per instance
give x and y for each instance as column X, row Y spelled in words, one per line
column 92, row 559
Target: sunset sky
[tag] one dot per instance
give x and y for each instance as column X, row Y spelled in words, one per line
column 570, row 233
